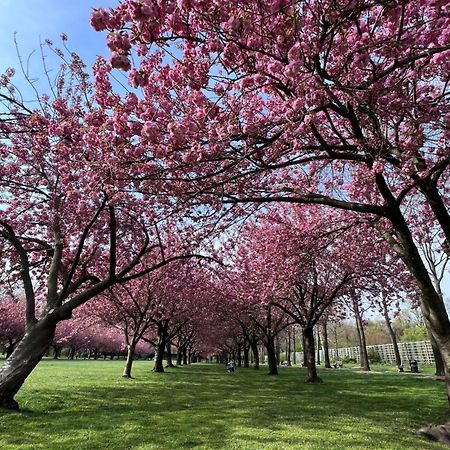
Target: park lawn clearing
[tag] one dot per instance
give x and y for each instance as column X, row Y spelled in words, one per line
column 88, row 405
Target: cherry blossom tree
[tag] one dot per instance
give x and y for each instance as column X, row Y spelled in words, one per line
column 72, row 221
column 309, row 263
column 12, row 322
column 340, row 103
column 131, row 308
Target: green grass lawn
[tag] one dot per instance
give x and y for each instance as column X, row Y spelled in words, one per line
column 87, row 405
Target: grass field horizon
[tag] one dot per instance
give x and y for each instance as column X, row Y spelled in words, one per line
column 88, row 405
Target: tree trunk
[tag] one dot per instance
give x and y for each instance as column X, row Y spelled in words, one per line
column 159, row 356
column 179, row 356
column 239, row 355
column 255, row 352
column 293, row 345
column 271, row 356
column 262, row 354
column 56, row 350
column 326, row 350
column 438, row 361
column 288, row 350
column 318, row 345
column 10, row 348
column 364, row 359
column 24, row 359
column 305, row 362
column 169, row 354
column 245, row 354
column 398, row 359
column 71, row 354
column 309, row 352
column 431, row 304
column 277, row 351
column 185, row 356
column 130, row 358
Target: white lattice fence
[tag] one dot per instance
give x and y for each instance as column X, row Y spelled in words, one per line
column 421, row 351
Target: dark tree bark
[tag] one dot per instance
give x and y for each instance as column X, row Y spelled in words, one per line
column 161, row 344
column 56, row 351
column 130, row 358
column 364, row 359
column 271, row 355
column 326, row 350
column 185, row 356
column 245, row 354
column 239, row 355
column 309, row 352
column 438, row 360
column 278, row 351
column 180, row 356
column 169, row 354
column 10, row 347
column 36, row 342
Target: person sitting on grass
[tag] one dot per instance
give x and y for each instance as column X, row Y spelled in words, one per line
column 231, row 367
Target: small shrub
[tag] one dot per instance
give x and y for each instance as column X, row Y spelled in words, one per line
column 374, row 356
column 348, row 360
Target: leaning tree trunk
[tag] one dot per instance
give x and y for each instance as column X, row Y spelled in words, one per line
column 364, row 358
column 326, row 350
column 431, row 304
column 398, row 359
column 255, row 352
column 438, row 360
column 24, row 359
column 308, row 350
column 271, row 356
column 160, row 346
column 130, row 358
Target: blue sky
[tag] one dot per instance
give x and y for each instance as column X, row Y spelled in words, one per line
column 36, row 20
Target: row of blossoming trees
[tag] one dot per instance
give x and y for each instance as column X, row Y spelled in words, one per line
column 234, row 110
